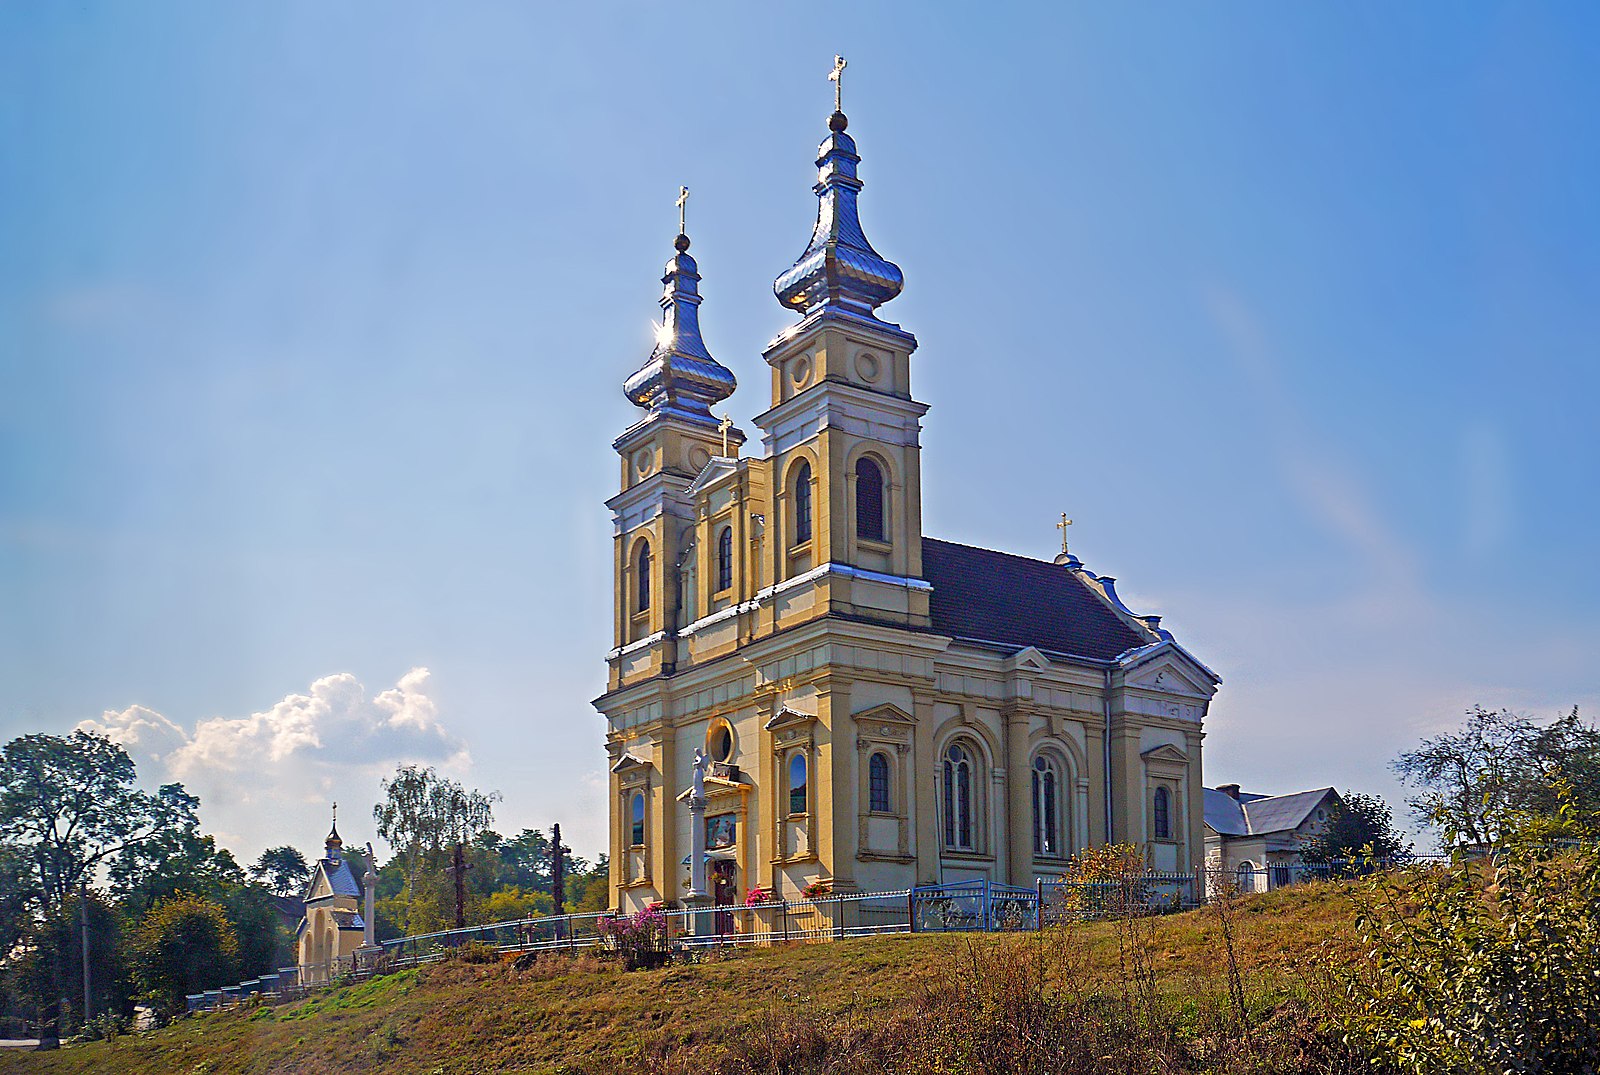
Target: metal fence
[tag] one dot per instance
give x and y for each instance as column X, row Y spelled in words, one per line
column 968, row 906
column 965, row 906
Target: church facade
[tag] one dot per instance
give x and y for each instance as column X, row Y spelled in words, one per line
column 875, row 708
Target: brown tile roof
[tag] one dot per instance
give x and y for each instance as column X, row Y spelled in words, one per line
column 993, row 596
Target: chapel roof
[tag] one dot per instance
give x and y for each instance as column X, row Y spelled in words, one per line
column 343, row 871
column 1260, row 815
column 988, row 596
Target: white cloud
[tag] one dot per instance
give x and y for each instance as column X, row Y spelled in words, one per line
column 267, row 778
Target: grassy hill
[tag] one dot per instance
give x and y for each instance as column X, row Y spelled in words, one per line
column 1149, row 996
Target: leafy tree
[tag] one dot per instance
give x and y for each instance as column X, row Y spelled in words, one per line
column 176, row 858
column 1498, row 764
column 1488, row 965
column 184, row 945
column 282, row 869
column 264, row 942
column 67, row 804
column 1357, row 826
column 590, row 890
column 422, row 813
column 50, row 967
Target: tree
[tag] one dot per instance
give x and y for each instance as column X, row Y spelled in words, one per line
column 68, row 804
column 1499, row 763
column 51, row 965
column 282, row 869
column 1488, row 965
column 1358, row 825
column 422, row 813
column 176, row 858
column 184, row 945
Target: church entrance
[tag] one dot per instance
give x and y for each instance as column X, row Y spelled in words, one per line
column 722, row 892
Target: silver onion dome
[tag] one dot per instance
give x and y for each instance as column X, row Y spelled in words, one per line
column 680, row 377
column 839, row 267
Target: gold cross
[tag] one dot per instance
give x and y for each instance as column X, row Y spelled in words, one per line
column 1062, row 526
column 683, row 200
column 836, row 76
column 725, row 425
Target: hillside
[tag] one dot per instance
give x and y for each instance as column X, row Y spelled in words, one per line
column 846, row 1005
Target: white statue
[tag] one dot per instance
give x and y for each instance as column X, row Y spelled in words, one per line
column 701, row 762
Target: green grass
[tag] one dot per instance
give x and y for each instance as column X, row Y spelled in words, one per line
column 576, row 1016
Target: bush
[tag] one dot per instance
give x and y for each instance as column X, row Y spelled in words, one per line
column 641, row 940
column 475, row 952
column 1486, row 965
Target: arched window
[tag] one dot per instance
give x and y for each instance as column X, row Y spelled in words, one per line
column 642, row 576
column 1046, row 809
column 797, row 784
column 958, row 798
column 869, row 500
column 1247, row 876
column 802, row 504
column 1163, row 812
column 878, row 797
column 637, row 808
column 725, row 559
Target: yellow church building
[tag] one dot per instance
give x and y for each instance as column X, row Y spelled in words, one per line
column 804, row 687
column 337, row 929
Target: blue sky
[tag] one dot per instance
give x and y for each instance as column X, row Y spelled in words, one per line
column 314, row 320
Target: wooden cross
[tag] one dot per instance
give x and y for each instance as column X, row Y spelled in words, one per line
column 1062, row 526
column 683, row 200
column 836, row 76
column 725, row 425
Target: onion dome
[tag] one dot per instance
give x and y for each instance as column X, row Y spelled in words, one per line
column 680, row 377
column 839, row 267
column 333, row 843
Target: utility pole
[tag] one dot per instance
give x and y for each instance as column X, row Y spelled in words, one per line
column 83, row 915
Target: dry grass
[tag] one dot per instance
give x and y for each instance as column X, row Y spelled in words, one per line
column 922, row 1003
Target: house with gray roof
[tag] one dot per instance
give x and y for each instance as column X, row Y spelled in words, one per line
column 1256, row 839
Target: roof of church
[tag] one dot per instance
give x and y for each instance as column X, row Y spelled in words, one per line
column 1259, row 815
column 989, row 596
column 344, row 875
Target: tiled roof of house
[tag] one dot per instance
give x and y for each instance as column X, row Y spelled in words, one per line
column 990, row 596
column 1260, row 815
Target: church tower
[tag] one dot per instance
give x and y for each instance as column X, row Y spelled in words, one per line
column 660, row 455
column 842, row 433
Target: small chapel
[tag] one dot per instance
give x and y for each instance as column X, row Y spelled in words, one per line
column 810, row 693
column 339, row 920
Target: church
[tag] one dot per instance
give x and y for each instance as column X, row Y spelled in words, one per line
column 811, row 694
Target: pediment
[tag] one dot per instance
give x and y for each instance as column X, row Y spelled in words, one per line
column 320, row 886
column 1170, row 669
column 886, row 713
column 713, row 472
column 1030, row 658
column 628, row 762
column 789, row 718
column 1165, row 752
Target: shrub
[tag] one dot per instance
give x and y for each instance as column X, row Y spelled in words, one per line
column 641, row 939
column 1486, row 965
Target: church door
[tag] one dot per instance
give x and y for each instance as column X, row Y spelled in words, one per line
column 722, row 894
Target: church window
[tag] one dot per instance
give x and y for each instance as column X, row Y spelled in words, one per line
column 879, row 800
column 1163, row 812
column 797, row 784
column 869, row 500
column 958, row 798
column 725, row 559
column 802, row 504
column 643, row 579
column 638, row 819
column 1046, row 811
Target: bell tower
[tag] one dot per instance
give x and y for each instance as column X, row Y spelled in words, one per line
column 653, row 514
column 842, row 417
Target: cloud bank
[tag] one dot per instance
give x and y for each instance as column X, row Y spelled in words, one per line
column 268, row 778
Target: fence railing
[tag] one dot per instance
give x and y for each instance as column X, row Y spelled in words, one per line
column 965, row 906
